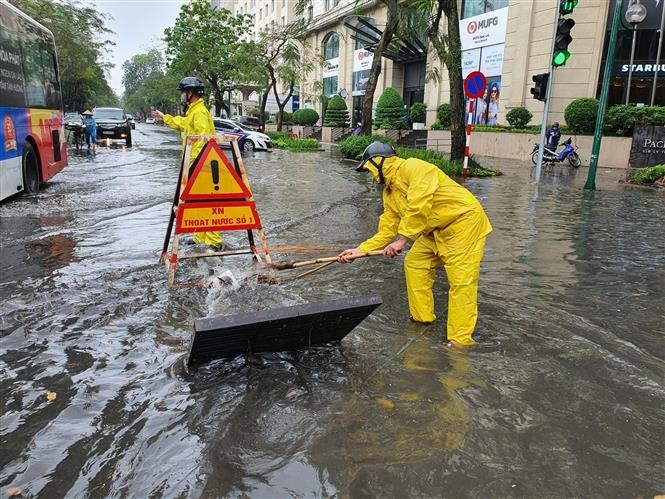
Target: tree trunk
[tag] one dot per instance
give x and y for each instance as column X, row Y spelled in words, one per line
column 453, row 59
column 281, row 105
column 375, row 71
column 264, row 101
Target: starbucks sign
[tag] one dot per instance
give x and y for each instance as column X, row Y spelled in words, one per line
column 648, row 147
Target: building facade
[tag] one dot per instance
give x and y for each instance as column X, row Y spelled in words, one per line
column 508, row 40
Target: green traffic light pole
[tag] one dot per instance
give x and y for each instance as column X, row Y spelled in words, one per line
column 602, row 106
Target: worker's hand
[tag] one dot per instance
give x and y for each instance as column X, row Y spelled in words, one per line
column 158, row 114
column 395, row 249
column 343, row 257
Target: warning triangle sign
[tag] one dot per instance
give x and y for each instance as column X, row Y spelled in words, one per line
column 214, row 177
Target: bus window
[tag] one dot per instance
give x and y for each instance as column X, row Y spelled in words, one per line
column 33, row 69
column 11, row 72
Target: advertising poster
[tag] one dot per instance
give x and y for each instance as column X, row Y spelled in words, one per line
column 331, row 68
column 362, row 64
column 470, row 62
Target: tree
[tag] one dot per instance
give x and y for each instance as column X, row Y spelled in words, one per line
column 208, row 43
column 284, row 62
column 337, row 114
column 140, row 67
column 448, row 48
column 390, row 112
column 81, row 39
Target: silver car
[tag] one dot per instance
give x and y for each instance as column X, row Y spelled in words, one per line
column 255, row 141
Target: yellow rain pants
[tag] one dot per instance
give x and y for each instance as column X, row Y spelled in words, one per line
column 448, row 226
column 197, row 121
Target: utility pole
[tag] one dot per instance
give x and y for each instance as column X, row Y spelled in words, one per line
column 602, row 106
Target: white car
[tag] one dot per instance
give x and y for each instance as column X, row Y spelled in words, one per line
column 254, row 140
column 150, row 121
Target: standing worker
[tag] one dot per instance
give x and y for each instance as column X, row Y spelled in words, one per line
column 197, row 121
column 447, row 225
column 90, row 129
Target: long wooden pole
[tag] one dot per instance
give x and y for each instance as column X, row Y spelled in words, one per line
column 328, row 259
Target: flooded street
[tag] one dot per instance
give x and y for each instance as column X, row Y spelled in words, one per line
column 562, row 397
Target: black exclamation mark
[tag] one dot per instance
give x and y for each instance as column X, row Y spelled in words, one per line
column 214, row 165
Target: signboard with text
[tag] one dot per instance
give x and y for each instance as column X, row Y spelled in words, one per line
column 648, row 147
column 483, row 30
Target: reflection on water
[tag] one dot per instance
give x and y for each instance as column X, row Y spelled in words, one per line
column 562, row 397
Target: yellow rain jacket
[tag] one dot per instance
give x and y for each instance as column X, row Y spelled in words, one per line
column 448, row 226
column 197, row 121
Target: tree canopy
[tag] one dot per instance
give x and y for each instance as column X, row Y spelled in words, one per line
column 81, row 39
column 209, row 43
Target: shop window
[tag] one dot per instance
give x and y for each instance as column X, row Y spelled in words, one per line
column 331, row 46
column 472, row 8
column 330, row 86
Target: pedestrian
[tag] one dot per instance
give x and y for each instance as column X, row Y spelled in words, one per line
column 553, row 135
column 447, row 226
column 197, row 121
column 358, row 129
column 90, row 129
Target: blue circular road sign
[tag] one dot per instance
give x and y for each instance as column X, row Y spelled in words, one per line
column 475, row 84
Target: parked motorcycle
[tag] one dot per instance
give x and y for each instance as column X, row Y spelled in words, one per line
column 76, row 132
column 568, row 153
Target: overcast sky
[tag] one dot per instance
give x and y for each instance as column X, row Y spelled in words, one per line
column 138, row 26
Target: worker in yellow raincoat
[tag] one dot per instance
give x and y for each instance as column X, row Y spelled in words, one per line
column 197, row 121
column 447, row 226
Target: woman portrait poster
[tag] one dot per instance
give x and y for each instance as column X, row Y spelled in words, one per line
column 492, row 111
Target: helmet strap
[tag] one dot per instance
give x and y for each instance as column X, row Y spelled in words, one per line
column 379, row 168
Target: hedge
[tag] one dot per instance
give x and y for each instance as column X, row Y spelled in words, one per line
column 622, row 118
column 353, row 147
column 581, row 114
column 648, row 175
column 337, row 113
column 297, row 145
column 519, row 117
column 305, row 117
column 443, row 117
column 390, row 112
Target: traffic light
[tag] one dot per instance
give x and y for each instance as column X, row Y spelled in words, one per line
column 562, row 38
column 539, row 90
column 566, row 6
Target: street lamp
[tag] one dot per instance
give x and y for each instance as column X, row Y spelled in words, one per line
column 635, row 14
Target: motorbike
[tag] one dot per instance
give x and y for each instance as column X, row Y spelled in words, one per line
column 76, row 131
column 567, row 154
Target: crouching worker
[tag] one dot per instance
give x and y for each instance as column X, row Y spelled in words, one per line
column 197, row 121
column 447, row 226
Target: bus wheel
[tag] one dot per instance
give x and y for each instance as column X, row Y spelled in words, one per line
column 30, row 169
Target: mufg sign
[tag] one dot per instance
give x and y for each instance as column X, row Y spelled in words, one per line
column 648, row 147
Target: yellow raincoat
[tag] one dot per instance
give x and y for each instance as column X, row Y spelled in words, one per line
column 448, row 226
column 197, row 121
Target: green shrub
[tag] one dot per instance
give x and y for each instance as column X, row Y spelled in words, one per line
column 295, row 117
column 390, row 112
column 622, row 118
column 450, row 168
column 337, row 114
column 581, row 115
column 353, row 147
column 287, row 118
column 417, row 113
column 277, row 135
column 297, row 145
column 443, row 117
column 306, row 117
column 519, row 117
column 648, row 175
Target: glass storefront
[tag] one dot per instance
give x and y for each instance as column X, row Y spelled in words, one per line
column 472, row 8
column 644, row 63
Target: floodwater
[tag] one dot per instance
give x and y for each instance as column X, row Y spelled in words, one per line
column 563, row 396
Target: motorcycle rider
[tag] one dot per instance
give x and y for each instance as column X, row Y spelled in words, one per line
column 552, row 135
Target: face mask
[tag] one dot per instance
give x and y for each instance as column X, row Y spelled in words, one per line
column 184, row 102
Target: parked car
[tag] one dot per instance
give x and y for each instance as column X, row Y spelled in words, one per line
column 112, row 123
column 249, row 123
column 254, row 140
column 72, row 119
column 228, row 127
column 132, row 122
column 150, row 120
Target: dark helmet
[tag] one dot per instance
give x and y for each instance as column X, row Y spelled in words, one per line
column 555, row 124
column 374, row 150
column 191, row 84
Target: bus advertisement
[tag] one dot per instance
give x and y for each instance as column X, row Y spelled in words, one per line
column 32, row 137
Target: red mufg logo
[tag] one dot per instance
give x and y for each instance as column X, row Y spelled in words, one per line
column 472, row 27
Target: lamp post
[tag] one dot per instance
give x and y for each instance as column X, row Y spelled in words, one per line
column 635, row 14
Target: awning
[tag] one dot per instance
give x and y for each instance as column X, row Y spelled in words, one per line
column 400, row 49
